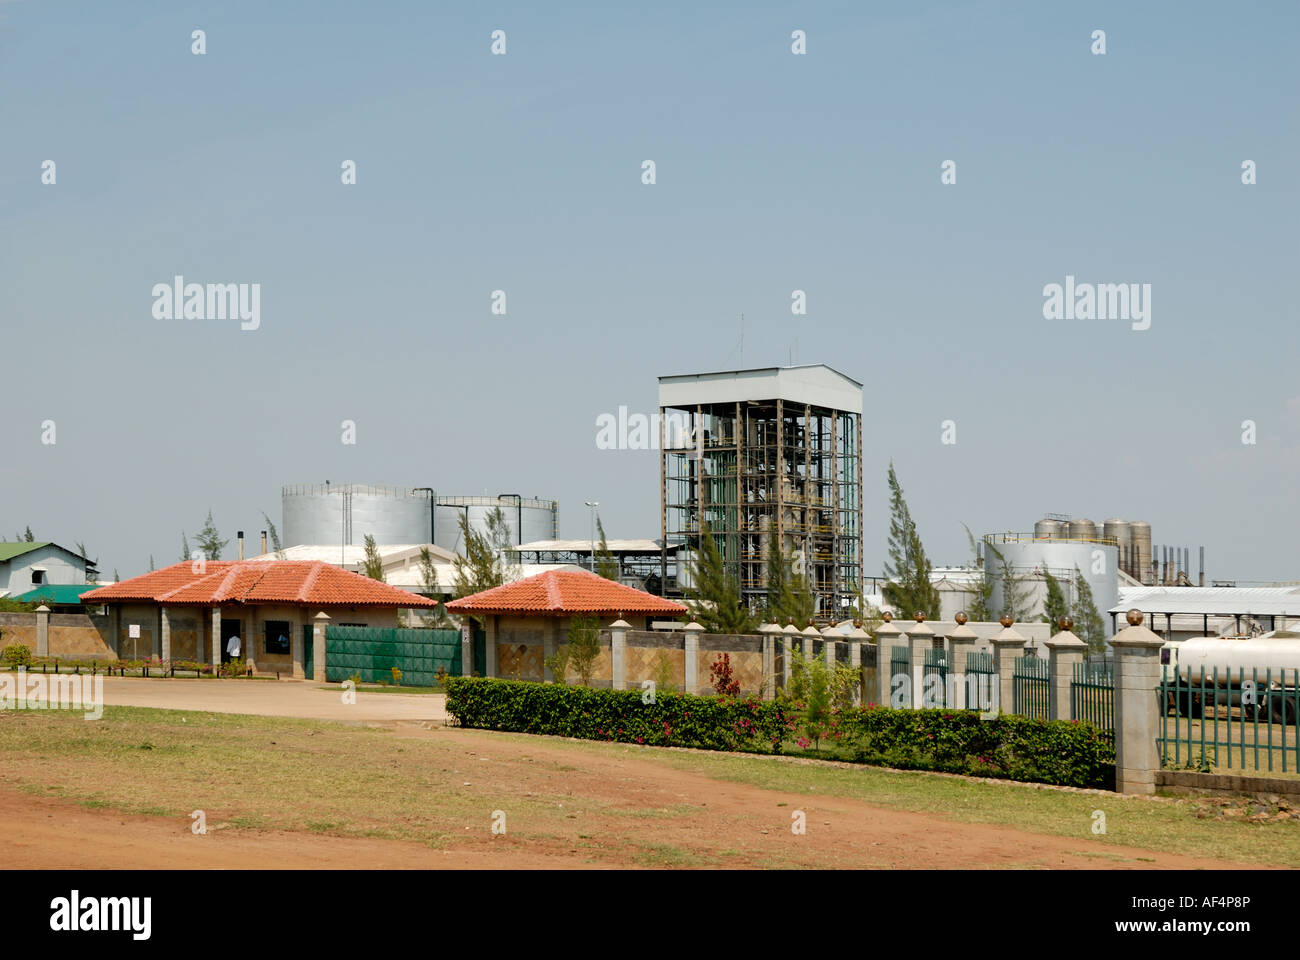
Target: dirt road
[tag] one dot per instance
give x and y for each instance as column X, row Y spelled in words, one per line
column 272, row 698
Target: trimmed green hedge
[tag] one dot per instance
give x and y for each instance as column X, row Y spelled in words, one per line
column 950, row 741
column 959, row 741
column 676, row 719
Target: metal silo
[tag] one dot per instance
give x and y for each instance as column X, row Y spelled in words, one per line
column 527, row 519
column 1026, row 559
column 1140, row 537
column 1083, row 529
column 1048, row 530
column 1121, row 531
column 346, row 513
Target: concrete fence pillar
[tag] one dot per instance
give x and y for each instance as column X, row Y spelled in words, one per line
column 491, row 634
column 920, row 640
column 888, row 636
column 165, row 634
column 1007, row 646
column 318, row 625
column 789, row 640
column 216, row 638
column 467, row 648
column 961, row 643
column 298, row 651
column 42, row 631
column 810, row 635
column 1137, row 706
column 771, row 634
column 856, row 638
column 1064, row 653
column 830, row 637
column 618, row 653
column 691, row 647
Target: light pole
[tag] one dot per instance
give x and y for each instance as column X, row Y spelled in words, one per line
column 593, row 504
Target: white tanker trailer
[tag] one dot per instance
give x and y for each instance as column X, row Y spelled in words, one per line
column 1259, row 674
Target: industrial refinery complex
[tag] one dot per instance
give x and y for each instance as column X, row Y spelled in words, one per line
column 760, row 460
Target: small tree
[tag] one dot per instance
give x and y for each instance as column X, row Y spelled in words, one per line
column 209, row 539
column 1088, row 625
column 909, row 589
column 606, row 563
column 715, row 594
column 274, row 536
column 980, row 606
column 432, row 589
column 584, row 646
column 373, row 564
column 186, row 556
column 487, row 561
column 151, row 564
column 92, row 566
column 1054, row 605
column 29, row 536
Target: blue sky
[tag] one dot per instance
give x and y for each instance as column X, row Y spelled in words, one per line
column 775, row 172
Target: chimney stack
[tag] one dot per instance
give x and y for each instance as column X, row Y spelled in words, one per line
column 1202, row 566
column 263, row 543
column 239, row 535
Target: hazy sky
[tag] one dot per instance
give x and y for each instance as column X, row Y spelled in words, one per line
column 774, row 172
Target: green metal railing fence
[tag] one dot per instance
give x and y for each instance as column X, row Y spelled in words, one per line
column 936, row 664
column 1092, row 695
column 373, row 652
column 1030, row 686
column 1230, row 720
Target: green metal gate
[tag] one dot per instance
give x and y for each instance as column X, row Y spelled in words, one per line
column 373, row 652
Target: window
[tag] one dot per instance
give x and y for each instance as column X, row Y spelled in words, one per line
column 277, row 637
column 38, row 575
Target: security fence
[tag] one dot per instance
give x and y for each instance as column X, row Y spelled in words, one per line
column 1231, row 720
column 374, row 652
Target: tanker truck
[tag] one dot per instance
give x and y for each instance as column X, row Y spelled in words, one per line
column 1260, row 675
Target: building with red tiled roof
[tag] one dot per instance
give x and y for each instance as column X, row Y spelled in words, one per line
column 192, row 611
column 528, row 620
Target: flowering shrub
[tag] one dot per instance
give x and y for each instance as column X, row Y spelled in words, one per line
column 678, row 719
column 721, row 678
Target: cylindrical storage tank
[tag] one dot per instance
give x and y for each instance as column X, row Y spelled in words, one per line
column 1083, row 529
column 1048, row 530
column 347, row 512
column 1140, row 537
column 527, row 520
column 1121, row 532
column 1062, row 558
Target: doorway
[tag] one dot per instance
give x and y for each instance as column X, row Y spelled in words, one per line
column 230, row 628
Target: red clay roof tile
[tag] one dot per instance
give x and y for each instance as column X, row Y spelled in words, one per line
column 272, row 581
column 565, row 591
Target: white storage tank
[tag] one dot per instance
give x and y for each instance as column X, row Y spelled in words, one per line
column 348, row 512
column 527, row 519
column 1096, row 562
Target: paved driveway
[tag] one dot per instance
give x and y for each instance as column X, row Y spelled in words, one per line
column 272, row 698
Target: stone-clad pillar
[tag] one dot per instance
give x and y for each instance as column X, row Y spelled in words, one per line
column 1007, row 646
column 1064, row 652
column 810, row 634
column 856, row 638
column 1137, row 707
column 216, row 638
